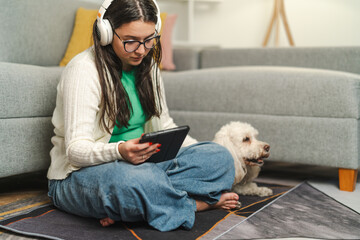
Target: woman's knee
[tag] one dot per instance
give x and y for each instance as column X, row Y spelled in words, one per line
column 218, row 154
column 213, row 156
column 223, row 156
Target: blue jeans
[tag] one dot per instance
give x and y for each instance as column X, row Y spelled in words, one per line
column 163, row 194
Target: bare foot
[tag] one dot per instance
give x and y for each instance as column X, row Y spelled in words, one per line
column 227, row 201
column 105, row 222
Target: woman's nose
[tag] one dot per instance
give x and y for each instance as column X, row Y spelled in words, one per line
column 141, row 49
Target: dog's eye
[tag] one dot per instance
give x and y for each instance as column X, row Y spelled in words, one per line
column 247, row 139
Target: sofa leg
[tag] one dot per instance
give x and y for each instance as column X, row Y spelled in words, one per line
column 347, row 179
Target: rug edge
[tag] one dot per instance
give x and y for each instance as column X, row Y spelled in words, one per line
column 29, row 233
column 292, row 189
column 317, row 189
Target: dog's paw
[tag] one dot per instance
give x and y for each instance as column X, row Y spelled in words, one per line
column 264, row 191
column 252, row 189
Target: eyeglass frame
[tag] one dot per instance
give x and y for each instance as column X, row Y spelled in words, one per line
column 140, row 43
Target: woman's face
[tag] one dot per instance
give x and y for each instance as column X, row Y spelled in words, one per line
column 138, row 31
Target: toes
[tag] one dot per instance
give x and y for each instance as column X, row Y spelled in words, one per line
column 228, row 201
column 231, row 202
column 106, row 222
column 234, row 196
column 103, row 223
column 231, row 196
column 234, row 204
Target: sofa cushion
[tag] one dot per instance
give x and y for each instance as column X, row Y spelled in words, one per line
column 265, row 90
column 27, row 91
column 40, row 30
column 25, row 145
column 305, row 140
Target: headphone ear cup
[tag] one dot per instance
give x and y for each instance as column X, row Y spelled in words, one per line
column 104, row 32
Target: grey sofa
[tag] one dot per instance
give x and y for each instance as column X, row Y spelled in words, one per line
column 304, row 101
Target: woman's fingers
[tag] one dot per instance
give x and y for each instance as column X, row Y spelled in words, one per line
column 150, row 150
column 136, row 152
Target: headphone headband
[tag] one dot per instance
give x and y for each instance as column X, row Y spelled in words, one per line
column 103, row 8
column 158, row 24
column 104, row 30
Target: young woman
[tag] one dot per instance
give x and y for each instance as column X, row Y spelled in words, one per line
column 108, row 96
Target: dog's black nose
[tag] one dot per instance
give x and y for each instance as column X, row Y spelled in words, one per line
column 267, row 148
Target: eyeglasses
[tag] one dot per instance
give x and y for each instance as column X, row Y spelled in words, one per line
column 132, row 45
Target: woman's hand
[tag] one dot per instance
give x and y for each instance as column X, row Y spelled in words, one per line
column 135, row 152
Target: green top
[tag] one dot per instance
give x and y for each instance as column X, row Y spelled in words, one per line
column 137, row 116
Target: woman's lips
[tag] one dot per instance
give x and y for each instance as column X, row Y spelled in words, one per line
column 137, row 58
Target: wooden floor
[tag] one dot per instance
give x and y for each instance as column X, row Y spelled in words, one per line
column 19, row 194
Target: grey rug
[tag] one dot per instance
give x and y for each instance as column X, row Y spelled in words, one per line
column 48, row 222
column 303, row 212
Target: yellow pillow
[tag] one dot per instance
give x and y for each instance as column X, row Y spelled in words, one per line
column 81, row 37
column 163, row 19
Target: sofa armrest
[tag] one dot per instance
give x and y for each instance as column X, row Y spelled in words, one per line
column 186, row 58
column 344, row 59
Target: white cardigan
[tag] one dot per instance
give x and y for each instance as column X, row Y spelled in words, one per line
column 79, row 139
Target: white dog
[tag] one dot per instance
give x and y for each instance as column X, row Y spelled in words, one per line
column 248, row 153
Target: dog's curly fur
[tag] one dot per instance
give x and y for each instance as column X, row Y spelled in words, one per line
column 248, row 153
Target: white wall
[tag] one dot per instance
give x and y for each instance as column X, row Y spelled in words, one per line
column 243, row 23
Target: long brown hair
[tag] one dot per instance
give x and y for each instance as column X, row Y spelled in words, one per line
column 116, row 107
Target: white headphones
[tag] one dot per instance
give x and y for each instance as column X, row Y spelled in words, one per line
column 104, row 30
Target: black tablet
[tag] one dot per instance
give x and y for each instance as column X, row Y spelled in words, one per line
column 170, row 140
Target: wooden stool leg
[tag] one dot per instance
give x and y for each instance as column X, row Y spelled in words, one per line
column 347, row 179
column 286, row 24
column 272, row 21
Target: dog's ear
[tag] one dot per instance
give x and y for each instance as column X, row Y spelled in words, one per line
column 240, row 168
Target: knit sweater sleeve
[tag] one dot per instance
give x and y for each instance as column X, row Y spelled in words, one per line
column 81, row 102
